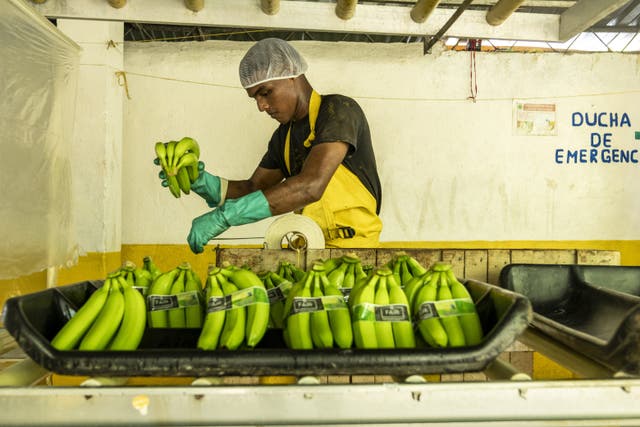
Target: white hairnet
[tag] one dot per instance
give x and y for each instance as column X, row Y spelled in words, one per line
column 270, row 59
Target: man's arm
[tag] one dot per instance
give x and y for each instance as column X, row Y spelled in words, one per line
column 308, row 186
column 297, row 191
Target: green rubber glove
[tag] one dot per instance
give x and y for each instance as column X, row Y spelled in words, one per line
column 211, row 188
column 250, row 208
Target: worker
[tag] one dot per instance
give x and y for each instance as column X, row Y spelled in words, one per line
column 319, row 161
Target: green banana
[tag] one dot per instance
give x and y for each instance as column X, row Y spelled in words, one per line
column 364, row 331
column 451, row 323
column 171, row 178
column 405, row 273
column 276, row 312
column 349, row 276
column 258, row 311
column 299, row 323
column 429, row 324
column 441, row 266
column 193, row 313
column 402, row 330
column 339, row 319
column 72, row 332
column 331, row 264
column 161, row 153
column 416, row 268
column 410, row 289
column 157, row 296
column 134, row 319
column 321, row 334
column 182, row 176
column 338, row 274
column 470, row 322
column 233, row 331
column 184, row 147
column 176, row 315
column 107, row 322
column 384, row 330
column 188, row 159
column 215, row 318
column 150, row 266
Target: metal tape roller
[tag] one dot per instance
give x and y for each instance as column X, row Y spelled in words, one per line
column 295, row 231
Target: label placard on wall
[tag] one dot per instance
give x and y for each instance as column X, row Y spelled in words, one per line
column 534, row 119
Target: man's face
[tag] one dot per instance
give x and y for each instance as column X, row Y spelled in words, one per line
column 278, row 98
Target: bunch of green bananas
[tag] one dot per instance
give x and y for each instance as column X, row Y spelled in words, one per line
column 405, row 268
column 380, row 312
column 289, row 272
column 237, row 309
column 445, row 313
column 277, row 289
column 345, row 271
column 136, row 277
column 150, row 266
column 317, row 315
column 113, row 318
column 175, row 299
column 179, row 160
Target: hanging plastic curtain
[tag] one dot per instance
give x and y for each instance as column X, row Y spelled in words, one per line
column 38, row 76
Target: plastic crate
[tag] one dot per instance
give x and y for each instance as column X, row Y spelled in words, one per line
column 595, row 310
column 35, row 318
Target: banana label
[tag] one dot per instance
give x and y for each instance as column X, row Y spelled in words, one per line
column 446, row 308
column 161, row 302
column 392, row 313
column 381, row 313
column 306, row 305
column 169, row 302
column 142, row 289
column 345, row 293
column 279, row 293
column 241, row 298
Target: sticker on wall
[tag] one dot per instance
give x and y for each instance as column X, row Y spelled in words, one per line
column 534, row 119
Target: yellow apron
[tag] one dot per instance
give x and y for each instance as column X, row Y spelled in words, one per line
column 346, row 213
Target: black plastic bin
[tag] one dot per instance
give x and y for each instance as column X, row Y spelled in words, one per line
column 35, row 318
column 595, row 310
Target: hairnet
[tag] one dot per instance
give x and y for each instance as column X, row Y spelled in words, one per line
column 270, row 59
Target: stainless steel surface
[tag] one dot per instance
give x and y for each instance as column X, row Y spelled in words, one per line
column 520, row 403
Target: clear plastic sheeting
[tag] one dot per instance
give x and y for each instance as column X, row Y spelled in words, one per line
column 38, row 79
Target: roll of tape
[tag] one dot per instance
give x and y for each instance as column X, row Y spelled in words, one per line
column 290, row 229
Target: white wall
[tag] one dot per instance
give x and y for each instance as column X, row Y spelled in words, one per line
column 451, row 169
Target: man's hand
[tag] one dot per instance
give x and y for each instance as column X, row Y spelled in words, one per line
column 211, row 188
column 244, row 210
column 206, row 227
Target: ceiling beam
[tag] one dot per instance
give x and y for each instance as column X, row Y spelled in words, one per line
column 585, row 14
column 299, row 15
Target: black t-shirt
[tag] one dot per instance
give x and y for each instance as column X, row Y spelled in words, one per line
column 340, row 119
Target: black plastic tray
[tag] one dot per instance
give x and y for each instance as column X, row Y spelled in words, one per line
column 35, row 318
column 595, row 310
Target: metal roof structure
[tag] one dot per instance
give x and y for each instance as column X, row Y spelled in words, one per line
column 556, row 24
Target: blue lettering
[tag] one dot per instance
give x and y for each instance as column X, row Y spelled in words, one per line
column 624, row 156
column 594, row 156
column 633, row 156
column 606, row 142
column 613, row 119
column 600, row 122
column 606, row 156
column 583, row 156
column 625, row 120
column 572, row 156
column 559, row 152
column 576, row 119
column 595, row 119
column 595, row 136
